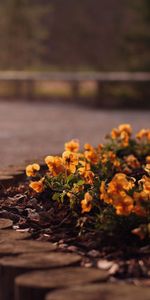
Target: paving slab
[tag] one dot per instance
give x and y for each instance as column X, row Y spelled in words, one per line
column 35, row 285
column 102, row 292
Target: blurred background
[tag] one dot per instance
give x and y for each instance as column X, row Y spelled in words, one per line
column 57, row 64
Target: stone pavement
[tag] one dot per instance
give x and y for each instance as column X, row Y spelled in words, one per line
column 29, row 131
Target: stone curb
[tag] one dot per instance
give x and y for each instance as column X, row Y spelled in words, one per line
column 14, row 174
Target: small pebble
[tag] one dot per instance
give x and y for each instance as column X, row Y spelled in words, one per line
column 63, row 246
column 114, row 269
column 94, row 253
column 104, row 264
column 72, row 248
column 87, row 264
column 22, row 230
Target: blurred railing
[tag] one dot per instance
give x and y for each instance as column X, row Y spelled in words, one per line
column 24, row 82
column 75, row 76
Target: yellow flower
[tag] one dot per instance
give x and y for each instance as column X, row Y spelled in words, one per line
column 37, row 186
column 32, row 169
column 70, row 161
column 143, row 134
column 86, row 203
column 72, row 146
column 55, row 164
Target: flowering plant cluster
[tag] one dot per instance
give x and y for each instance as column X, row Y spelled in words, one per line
column 102, row 187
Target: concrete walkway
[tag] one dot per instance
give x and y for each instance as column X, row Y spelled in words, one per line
column 32, row 130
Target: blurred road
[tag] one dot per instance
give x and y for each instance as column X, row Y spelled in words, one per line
column 32, row 130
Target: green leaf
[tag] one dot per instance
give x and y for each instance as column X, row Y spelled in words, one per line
column 56, row 197
column 80, row 182
column 62, row 196
column 70, row 177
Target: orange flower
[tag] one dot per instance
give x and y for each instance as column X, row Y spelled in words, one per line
column 120, row 183
column 86, row 203
column 32, row 169
column 110, row 156
column 72, row 146
column 138, row 209
column 100, row 147
column 122, row 133
column 103, row 193
column 125, row 127
column 147, row 168
column 132, row 161
column 148, row 159
column 37, row 186
column 146, row 184
column 90, row 154
column 86, row 173
column 125, row 207
column 143, row 134
column 54, row 164
column 115, row 133
column 88, row 147
column 70, row 161
column 116, row 193
column 124, row 137
column 84, row 167
column 141, row 196
column 88, row 177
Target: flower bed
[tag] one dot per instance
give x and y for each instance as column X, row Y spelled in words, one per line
column 95, row 199
column 104, row 186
